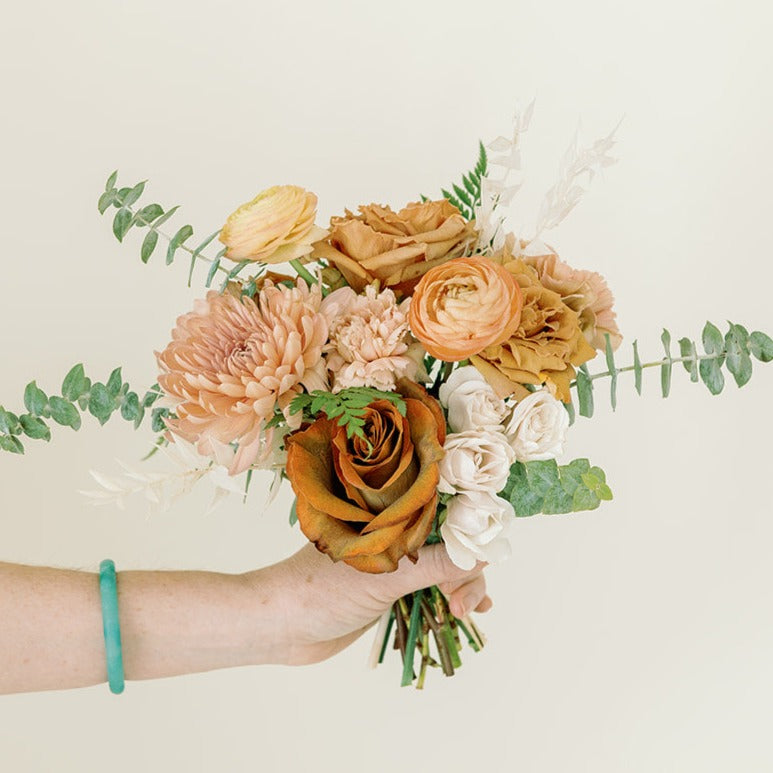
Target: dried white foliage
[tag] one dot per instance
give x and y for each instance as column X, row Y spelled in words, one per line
column 578, row 168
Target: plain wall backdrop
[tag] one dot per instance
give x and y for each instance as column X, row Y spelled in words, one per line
column 633, row 638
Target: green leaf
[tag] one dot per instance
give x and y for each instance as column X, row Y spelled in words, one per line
column 75, row 383
column 213, row 270
column 666, row 367
column 612, row 368
column 198, row 251
column 101, row 403
column 761, row 346
column 130, row 407
column 34, row 427
column 148, row 245
column 571, row 474
column 557, row 501
column 157, row 419
column 687, row 349
column 584, row 499
column 122, row 223
column 114, row 383
column 65, row 413
column 35, row 400
column 110, row 184
column 105, row 200
column 542, row 476
column 148, row 214
column 11, row 443
column 294, row 513
column 739, row 363
column 637, row 368
column 133, row 194
column 174, row 243
column 585, row 392
column 161, row 220
column 9, row 423
column 713, row 340
column 711, row 375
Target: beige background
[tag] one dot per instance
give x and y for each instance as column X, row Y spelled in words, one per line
column 634, row 638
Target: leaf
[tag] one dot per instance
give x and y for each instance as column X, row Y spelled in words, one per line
column 174, row 243
column 35, row 400
column 557, row 501
column 65, row 413
column 9, row 422
column 585, row 392
column 584, row 499
column 711, row 375
column 761, row 346
column 134, row 194
column 101, row 403
column 105, row 200
column 75, row 383
column 130, row 408
column 148, row 245
column 687, row 349
column 198, row 251
column 739, row 363
column 666, row 368
column 110, row 184
column 12, row 444
column 612, row 368
column 148, row 214
column 637, row 368
column 571, row 474
column 158, row 223
column 212, row 271
column 294, row 513
column 114, row 383
column 34, row 427
column 713, row 340
column 542, row 475
column 122, row 223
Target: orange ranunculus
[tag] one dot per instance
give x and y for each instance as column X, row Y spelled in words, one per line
column 369, row 503
column 394, row 248
column 463, row 306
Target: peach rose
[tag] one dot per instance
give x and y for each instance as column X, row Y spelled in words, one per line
column 546, row 345
column 394, row 248
column 461, row 307
column 370, row 503
column 275, row 227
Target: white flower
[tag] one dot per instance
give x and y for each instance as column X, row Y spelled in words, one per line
column 475, row 527
column 471, row 402
column 475, row 460
column 537, row 428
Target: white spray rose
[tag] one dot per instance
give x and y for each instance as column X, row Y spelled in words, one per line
column 475, row 460
column 475, row 528
column 537, row 428
column 471, row 402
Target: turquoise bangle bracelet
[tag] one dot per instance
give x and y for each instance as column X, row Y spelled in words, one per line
column 109, row 592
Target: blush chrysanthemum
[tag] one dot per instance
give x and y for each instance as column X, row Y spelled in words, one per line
column 233, row 360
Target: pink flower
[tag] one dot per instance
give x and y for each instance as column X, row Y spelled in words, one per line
column 233, row 360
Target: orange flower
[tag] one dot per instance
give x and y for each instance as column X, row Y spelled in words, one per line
column 232, row 360
column 546, row 345
column 370, row 503
column 461, row 307
column 394, row 248
column 275, row 227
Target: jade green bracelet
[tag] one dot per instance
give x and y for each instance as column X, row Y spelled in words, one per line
column 109, row 593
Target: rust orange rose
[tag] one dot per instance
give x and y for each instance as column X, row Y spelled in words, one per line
column 394, row 248
column 463, row 306
column 370, row 503
column 545, row 348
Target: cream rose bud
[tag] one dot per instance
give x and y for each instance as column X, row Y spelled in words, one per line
column 537, row 427
column 471, row 402
column 475, row 460
column 475, row 527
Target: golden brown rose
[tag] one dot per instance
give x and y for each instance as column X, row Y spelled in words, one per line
column 394, row 248
column 370, row 503
column 545, row 348
column 461, row 307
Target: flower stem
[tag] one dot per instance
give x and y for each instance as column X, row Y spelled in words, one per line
column 657, row 364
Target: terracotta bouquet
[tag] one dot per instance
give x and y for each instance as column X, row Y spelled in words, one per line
column 412, row 372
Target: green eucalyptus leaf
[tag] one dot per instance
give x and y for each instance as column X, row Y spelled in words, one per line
column 35, row 400
column 65, row 413
column 666, row 367
column 637, row 367
column 161, row 220
column 612, row 368
column 105, row 200
column 761, row 346
column 149, row 213
column 212, row 271
column 584, row 392
column 130, row 407
column 713, row 341
column 294, row 513
column 101, row 403
column 688, row 350
column 542, row 475
column 110, row 184
column 34, row 427
column 739, row 363
column 11, row 443
column 711, row 375
column 148, row 245
column 584, row 499
column 114, row 383
column 75, row 383
column 122, row 222
column 134, row 194
column 174, row 243
column 9, row 423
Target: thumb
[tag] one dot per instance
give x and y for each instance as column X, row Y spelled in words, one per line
column 433, row 568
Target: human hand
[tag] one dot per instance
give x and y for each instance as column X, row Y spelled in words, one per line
column 316, row 607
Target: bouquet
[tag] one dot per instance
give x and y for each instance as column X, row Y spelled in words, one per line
column 413, row 376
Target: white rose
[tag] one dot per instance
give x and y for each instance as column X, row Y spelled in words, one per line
column 475, row 528
column 537, row 428
column 471, row 402
column 475, row 460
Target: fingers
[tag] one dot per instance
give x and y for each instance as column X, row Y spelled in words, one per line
column 469, row 596
column 434, row 567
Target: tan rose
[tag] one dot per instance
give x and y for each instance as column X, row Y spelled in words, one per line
column 394, row 248
column 546, row 346
column 275, row 227
column 370, row 503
